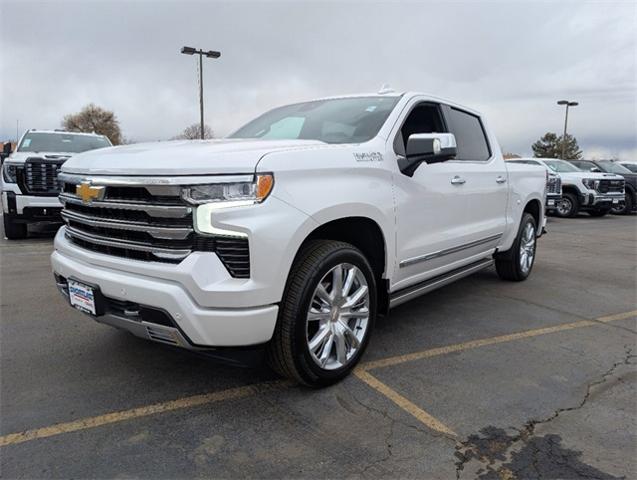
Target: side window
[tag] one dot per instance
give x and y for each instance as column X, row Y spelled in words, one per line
column 423, row 118
column 470, row 137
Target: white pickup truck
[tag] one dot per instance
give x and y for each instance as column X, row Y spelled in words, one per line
column 29, row 185
column 297, row 230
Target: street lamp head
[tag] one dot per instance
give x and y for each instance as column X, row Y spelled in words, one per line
column 212, row 54
column 573, row 104
column 559, row 102
column 188, row 50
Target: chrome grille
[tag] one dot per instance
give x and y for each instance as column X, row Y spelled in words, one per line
column 147, row 223
column 40, row 176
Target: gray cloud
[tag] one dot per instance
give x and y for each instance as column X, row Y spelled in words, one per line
column 511, row 60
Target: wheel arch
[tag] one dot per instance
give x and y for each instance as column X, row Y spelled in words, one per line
column 534, row 207
column 568, row 188
column 365, row 234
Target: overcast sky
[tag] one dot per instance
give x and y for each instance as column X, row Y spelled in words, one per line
column 511, row 60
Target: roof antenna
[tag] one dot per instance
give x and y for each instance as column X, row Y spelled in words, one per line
column 385, row 89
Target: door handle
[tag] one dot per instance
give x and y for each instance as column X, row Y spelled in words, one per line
column 457, row 180
column 500, row 179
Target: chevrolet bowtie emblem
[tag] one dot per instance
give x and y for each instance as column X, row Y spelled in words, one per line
column 88, row 193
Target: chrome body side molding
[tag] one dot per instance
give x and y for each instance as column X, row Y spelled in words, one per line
column 448, row 251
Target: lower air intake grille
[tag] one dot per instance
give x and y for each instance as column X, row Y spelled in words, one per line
column 235, row 255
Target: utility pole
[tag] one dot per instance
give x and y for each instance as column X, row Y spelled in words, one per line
column 568, row 103
column 201, row 53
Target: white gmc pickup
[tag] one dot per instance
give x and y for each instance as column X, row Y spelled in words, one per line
column 297, row 230
column 29, row 186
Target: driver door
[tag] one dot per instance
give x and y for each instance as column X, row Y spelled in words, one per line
column 430, row 206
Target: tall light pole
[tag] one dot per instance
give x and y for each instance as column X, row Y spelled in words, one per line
column 201, row 53
column 568, row 103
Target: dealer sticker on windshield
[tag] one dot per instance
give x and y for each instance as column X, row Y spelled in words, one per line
column 82, row 297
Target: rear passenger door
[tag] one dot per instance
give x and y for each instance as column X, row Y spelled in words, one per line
column 483, row 181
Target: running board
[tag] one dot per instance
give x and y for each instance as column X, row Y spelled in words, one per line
column 406, row 294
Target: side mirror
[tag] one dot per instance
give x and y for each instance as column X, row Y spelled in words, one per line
column 428, row 148
column 596, row 170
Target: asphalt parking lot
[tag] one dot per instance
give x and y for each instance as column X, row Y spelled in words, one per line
column 481, row 379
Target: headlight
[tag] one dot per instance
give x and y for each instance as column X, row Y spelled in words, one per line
column 213, row 197
column 9, row 172
column 230, row 194
column 590, row 183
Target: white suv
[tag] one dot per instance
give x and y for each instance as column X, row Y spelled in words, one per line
column 29, row 184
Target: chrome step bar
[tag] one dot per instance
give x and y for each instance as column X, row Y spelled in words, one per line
column 404, row 295
column 173, row 233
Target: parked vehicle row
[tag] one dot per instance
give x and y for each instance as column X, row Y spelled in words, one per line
column 607, row 166
column 587, row 186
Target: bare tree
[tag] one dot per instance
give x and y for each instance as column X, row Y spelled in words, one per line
column 193, row 132
column 94, row 119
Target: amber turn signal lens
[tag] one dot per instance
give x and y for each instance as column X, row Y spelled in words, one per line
column 265, row 182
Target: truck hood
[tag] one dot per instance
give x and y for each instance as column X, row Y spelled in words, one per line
column 594, row 175
column 22, row 156
column 182, row 157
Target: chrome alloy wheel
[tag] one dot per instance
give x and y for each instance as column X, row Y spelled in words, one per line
column 527, row 248
column 338, row 316
column 564, row 206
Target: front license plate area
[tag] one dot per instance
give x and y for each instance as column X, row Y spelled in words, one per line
column 85, row 298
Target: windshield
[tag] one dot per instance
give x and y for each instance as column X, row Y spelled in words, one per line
column 630, row 166
column 342, row 120
column 61, row 142
column 612, row 167
column 561, row 166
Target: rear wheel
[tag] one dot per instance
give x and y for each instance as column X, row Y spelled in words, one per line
column 326, row 316
column 14, row 230
column 568, row 206
column 516, row 263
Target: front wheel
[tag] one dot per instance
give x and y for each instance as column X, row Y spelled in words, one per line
column 14, row 230
column 568, row 206
column 326, row 316
column 516, row 263
column 625, row 207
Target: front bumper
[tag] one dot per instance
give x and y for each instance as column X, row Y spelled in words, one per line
column 552, row 201
column 601, row 199
column 31, row 208
column 192, row 325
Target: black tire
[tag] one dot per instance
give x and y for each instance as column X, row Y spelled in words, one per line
column 569, row 206
column 14, row 230
column 625, row 207
column 508, row 264
column 288, row 352
column 599, row 212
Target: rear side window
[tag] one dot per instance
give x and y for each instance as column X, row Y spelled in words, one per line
column 470, row 137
